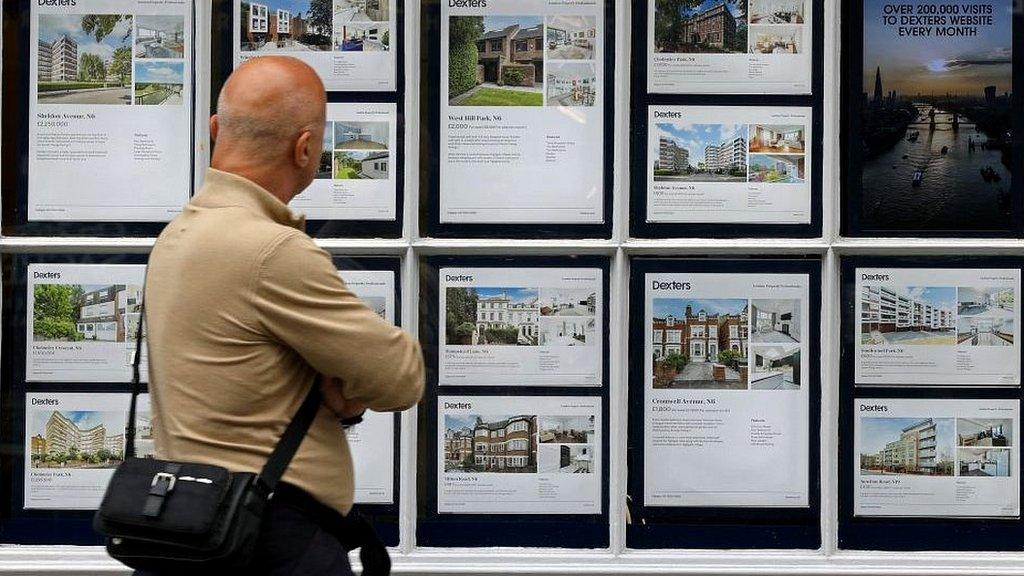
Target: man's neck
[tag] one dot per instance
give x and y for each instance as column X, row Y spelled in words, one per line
column 273, row 181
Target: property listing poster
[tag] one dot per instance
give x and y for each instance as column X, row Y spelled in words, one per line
column 726, row 394
column 521, row 327
column 729, row 46
column 729, row 164
column 519, row 455
column 522, row 126
column 356, row 179
column 372, row 441
column 352, row 44
column 937, row 458
column 110, row 108
column 82, row 320
column 937, row 327
column 73, row 444
column 934, row 115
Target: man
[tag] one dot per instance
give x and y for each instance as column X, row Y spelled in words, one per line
column 244, row 313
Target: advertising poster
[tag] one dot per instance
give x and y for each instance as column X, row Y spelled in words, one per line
column 937, row 327
column 73, row 443
column 519, row 455
column 522, row 125
column 521, row 327
column 934, row 113
column 937, row 458
column 82, row 320
column 729, row 164
column 372, row 441
column 729, row 46
column 352, row 44
column 356, row 179
column 726, row 393
column 110, row 106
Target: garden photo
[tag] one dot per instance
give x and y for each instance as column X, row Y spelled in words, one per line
column 361, row 165
column 84, row 59
column 159, row 82
column 495, row 61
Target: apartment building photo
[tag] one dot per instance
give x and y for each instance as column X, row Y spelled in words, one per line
column 908, row 315
column 701, row 152
column 921, row 446
column 78, row 440
column 672, row 158
column 503, row 445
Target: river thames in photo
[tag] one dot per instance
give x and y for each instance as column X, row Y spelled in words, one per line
column 952, row 187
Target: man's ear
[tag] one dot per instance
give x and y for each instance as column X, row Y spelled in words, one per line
column 303, row 151
column 214, row 127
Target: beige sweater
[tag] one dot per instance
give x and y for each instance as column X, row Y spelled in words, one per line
column 242, row 311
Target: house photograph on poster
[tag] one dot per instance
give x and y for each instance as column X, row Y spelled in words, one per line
column 701, row 152
column 497, row 444
column 935, row 113
column 917, row 446
column 77, row 439
column 496, row 61
column 284, row 26
column 491, row 316
column 84, row 59
column 699, row 344
column 910, row 315
column 700, row 26
column 986, row 316
column 84, row 313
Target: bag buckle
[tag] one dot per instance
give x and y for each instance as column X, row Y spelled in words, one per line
column 160, row 476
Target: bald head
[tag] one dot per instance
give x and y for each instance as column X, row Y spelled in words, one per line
column 269, row 124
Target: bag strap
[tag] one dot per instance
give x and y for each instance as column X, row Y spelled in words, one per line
column 289, row 443
column 129, row 433
column 286, row 447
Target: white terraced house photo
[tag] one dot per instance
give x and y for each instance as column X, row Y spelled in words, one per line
column 282, row 26
column 986, row 316
column 774, row 321
column 908, row 315
column 492, row 316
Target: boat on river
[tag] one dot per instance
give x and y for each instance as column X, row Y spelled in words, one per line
column 918, row 177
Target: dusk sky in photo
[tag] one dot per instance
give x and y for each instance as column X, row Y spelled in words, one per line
column 696, row 137
column 875, row 433
column 938, row 64
column 677, row 306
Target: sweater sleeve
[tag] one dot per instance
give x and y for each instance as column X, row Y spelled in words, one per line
column 301, row 300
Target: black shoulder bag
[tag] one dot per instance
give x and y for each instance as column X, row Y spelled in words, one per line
column 174, row 517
